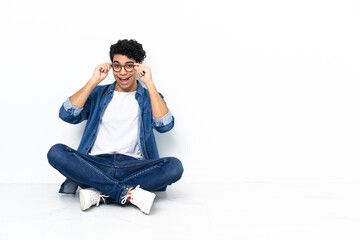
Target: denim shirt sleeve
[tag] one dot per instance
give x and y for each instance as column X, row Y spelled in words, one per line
column 73, row 110
column 72, row 114
column 164, row 120
column 164, row 123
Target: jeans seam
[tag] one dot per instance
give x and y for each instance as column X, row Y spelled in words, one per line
column 139, row 173
column 140, row 163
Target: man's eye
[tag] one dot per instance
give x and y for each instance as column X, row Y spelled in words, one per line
column 130, row 65
column 116, row 66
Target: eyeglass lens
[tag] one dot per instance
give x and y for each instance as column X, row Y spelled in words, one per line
column 117, row 67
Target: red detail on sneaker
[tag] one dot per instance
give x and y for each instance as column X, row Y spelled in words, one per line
column 102, row 197
column 129, row 197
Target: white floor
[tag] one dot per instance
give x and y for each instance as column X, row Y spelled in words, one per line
column 246, row 210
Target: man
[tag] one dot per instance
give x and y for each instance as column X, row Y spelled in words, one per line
column 117, row 153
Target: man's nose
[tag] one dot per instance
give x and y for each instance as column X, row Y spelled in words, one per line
column 122, row 71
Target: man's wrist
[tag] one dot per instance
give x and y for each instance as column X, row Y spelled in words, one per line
column 150, row 86
column 92, row 83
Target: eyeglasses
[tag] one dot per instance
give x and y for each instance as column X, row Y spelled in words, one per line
column 117, row 66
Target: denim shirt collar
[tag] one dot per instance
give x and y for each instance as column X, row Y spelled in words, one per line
column 139, row 91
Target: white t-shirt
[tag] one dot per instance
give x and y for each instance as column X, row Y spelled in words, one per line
column 118, row 128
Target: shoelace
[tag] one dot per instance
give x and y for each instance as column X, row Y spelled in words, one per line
column 102, row 197
column 128, row 195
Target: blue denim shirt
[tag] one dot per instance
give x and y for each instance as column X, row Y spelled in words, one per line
column 93, row 110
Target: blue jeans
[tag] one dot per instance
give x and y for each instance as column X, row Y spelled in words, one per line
column 114, row 174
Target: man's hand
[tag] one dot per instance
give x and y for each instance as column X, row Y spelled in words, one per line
column 159, row 108
column 100, row 73
column 144, row 73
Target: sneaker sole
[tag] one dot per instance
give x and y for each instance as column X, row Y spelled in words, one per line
column 82, row 201
column 147, row 209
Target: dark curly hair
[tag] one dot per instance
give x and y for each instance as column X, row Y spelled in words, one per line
column 130, row 48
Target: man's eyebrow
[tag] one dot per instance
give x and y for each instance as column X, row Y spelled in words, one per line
column 125, row 62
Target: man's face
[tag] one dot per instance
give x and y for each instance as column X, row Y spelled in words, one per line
column 125, row 79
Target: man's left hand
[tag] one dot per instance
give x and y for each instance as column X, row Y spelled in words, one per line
column 144, row 73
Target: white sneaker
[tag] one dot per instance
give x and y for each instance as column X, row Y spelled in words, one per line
column 141, row 198
column 89, row 197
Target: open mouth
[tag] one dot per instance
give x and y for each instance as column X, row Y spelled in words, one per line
column 124, row 80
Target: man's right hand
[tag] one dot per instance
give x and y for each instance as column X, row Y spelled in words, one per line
column 100, row 73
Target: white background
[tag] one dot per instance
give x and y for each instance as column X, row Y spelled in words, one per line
column 260, row 90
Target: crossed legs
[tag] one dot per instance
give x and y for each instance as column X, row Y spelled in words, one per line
column 114, row 174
